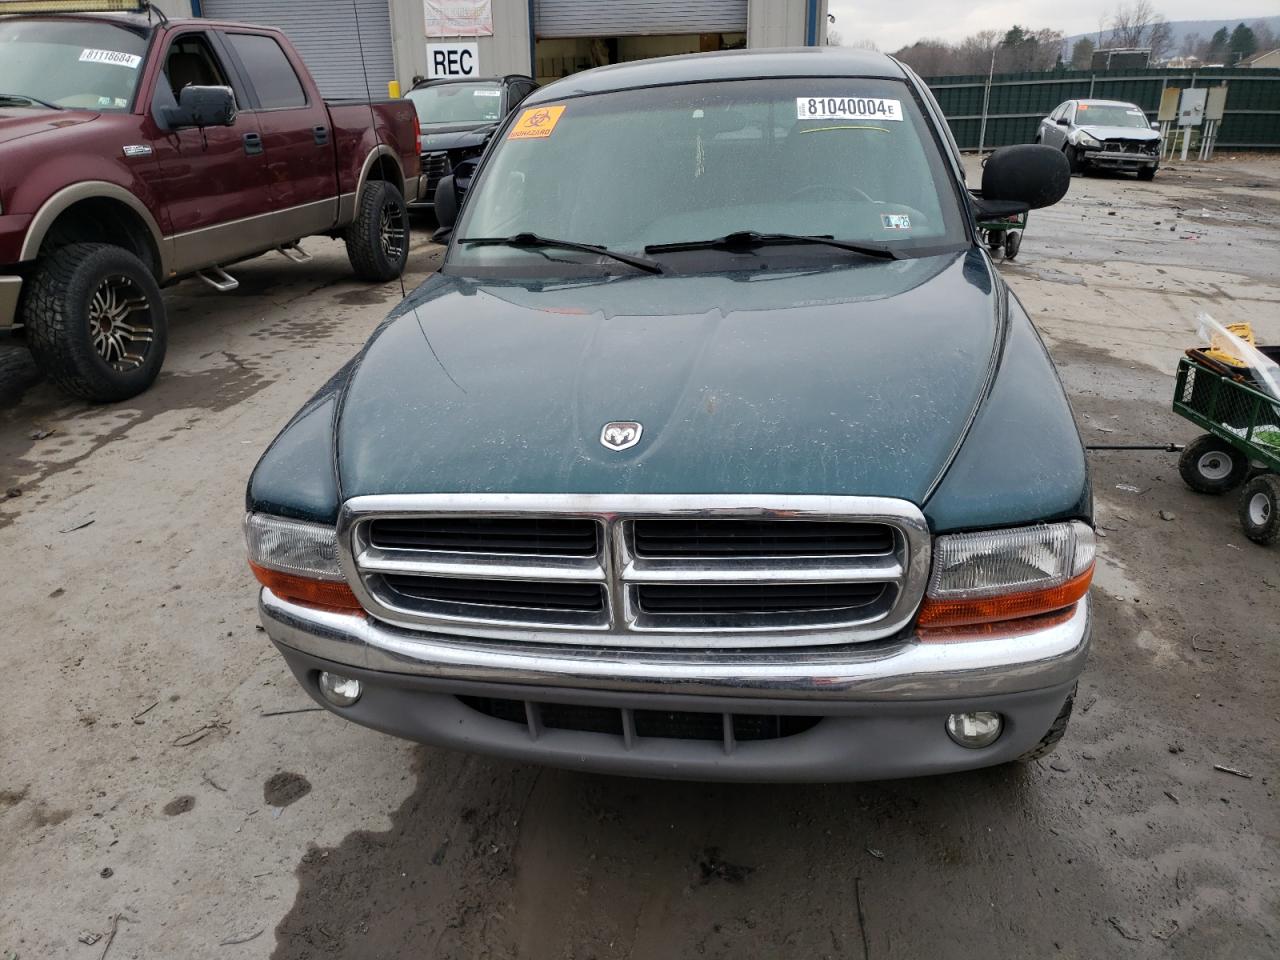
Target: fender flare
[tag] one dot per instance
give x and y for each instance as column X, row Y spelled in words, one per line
column 91, row 190
column 381, row 150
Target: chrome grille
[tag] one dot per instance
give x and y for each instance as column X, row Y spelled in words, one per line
column 702, row 571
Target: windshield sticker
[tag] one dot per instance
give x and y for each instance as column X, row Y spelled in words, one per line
column 895, row 221
column 486, row 93
column 847, row 108
column 536, row 123
column 130, row 60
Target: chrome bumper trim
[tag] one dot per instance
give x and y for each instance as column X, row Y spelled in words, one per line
column 10, row 289
column 905, row 669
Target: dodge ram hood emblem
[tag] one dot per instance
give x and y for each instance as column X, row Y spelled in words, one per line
column 621, row 434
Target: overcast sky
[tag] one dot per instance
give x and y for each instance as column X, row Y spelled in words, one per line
column 892, row 24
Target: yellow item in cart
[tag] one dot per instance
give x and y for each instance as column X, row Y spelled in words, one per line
column 1220, row 346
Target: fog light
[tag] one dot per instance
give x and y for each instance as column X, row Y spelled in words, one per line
column 974, row 730
column 340, row 691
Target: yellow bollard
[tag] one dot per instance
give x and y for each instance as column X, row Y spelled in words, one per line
column 393, row 89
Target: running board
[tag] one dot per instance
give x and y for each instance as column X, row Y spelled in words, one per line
column 295, row 253
column 219, row 279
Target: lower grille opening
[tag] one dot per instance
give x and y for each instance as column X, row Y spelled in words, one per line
column 659, row 724
column 518, row 594
column 755, row 598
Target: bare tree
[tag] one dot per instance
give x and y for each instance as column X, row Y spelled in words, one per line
column 1136, row 24
column 835, row 38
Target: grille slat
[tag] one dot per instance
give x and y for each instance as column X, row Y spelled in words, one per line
column 519, row 594
column 692, row 599
column 546, row 537
column 760, row 538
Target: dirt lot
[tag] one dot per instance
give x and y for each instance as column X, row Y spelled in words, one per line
column 154, row 781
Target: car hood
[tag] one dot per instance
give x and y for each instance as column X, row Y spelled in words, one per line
column 453, row 138
column 19, row 122
column 1119, row 133
column 856, row 379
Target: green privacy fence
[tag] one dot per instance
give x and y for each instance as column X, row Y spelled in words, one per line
column 1017, row 102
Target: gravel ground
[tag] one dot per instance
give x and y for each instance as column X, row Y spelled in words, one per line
column 162, row 777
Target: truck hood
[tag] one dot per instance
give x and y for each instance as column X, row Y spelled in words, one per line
column 855, row 379
column 18, row 122
column 435, row 139
column 1120, row 133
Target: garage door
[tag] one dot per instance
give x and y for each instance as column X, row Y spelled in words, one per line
column 625, row 18
column 325, row 34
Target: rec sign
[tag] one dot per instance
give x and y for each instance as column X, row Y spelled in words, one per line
column 453, row 60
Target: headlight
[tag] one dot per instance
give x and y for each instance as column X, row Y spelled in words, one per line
column 1088, row 142
column 1005, row 574
column 298, row 561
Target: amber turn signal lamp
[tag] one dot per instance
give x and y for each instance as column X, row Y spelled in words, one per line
column 329, row 594
column 1010, row 606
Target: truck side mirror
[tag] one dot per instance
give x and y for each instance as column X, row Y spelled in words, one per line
column 202, row 107
column 447, row 202
column 1027, row 173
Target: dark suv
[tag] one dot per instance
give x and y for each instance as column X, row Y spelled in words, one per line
column 457, row 118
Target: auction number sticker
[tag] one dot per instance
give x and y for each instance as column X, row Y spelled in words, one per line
column 130, row 60
column 536, row 123
column 847, row 108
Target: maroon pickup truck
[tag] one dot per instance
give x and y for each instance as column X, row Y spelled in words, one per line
column 135, row 151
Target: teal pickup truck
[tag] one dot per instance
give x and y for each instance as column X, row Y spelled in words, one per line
column 716, row 449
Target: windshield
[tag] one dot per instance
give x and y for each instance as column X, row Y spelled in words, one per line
column 1110, row 115
column 76, row 64
column 458, row 103
column 852, row 159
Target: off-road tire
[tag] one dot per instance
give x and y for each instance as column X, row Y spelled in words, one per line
column 1012, row 244
column 57, row 321
column 1227, row 467
column 1147, row 173
column 1050, row 740
column 1260, row 508
column 371, row 257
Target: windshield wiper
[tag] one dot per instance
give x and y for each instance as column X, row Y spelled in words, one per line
column 533, row 240
column 27, row 99
column 750, row 240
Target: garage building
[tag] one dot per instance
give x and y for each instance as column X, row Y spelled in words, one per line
column 545, row 38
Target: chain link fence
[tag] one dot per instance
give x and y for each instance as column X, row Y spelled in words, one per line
column 1008, row 107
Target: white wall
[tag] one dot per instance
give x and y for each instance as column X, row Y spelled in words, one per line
column 507, row 51
column 781, row 23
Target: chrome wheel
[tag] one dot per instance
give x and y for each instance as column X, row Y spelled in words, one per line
column 120, row 323
column 391, row 232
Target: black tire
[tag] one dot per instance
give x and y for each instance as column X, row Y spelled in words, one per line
column 1012, row 244
column 1055, row 732
column 1148, row 173
column 1073, row 158
column 1210, row 465
column 1260, row 508
column 75, row 310
column 378, row 238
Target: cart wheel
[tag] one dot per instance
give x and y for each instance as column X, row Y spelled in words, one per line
column 1210, row 465
column 995, row 240
column 1012, row 242
column 1260, row 508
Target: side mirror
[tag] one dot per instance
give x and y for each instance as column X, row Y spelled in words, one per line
column 447, row 202
column 202, row 107
column 1063, row 122
column 1155, row 125
column 1028, row 173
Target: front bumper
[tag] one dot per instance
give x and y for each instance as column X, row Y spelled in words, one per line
column 882, row 705
column 1121, row 160
column 10, row 290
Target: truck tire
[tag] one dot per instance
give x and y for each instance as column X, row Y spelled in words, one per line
column 1260, row 508
column 1050, row 740
column 378, row 238
column 1148, row 173
column 95, row 322
column 1210, row 465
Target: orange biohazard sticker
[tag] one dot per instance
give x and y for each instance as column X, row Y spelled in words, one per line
column 536, row 123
